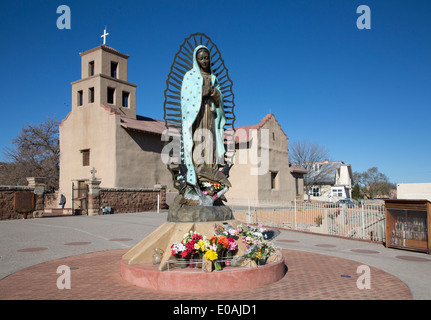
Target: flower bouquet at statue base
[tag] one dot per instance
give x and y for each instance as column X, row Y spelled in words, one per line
column 220, row 250
column 259, row 249
column 189, row 251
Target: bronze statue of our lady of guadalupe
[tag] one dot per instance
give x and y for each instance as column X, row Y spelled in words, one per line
column 203, row 169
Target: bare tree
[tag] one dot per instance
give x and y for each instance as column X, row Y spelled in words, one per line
column 34, row 153
column 373, row 183
column 310, row 157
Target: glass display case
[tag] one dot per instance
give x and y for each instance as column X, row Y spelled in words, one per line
column 408, row 224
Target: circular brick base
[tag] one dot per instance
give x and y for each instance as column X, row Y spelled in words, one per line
column 194, row 280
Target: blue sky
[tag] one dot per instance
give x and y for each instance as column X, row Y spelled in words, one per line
column 363, row 94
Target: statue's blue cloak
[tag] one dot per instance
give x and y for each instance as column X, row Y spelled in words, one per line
column 191, row 100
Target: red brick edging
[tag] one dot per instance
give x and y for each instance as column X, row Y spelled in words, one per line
column 310, row 276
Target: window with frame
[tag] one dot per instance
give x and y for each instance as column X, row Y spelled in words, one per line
column 337, row 192
column 315, row 191
column 125, row 99
column 85, row 157
column 274, row 180
column 91, row 68
column 111, row 95
column 80, row 97
column 114, row 67
column 91, row 95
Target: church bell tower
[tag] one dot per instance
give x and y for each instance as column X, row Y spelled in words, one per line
column 104, row 82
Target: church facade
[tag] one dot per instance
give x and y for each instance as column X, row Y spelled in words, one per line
column 103, row 137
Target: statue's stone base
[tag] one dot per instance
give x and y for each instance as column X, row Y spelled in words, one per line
column 180, row 211
column 138, row 269
column 195, row 281
column 168, row 233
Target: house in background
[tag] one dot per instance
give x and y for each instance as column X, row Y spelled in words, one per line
column 329, row 181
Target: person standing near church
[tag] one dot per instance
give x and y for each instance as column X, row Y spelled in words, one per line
column 62, row 201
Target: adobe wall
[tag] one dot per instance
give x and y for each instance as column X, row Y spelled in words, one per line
column 7, row 203
column 130, row 200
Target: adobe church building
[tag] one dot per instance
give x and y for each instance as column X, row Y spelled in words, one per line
column 103, row 131
column 261, row 172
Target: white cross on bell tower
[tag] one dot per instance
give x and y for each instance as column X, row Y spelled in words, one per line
column 104, row 35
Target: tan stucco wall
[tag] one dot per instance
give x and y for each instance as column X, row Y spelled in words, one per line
column 139, row 162
column 119, row 86
column 418, row 191
column 257, row 188
column 244, row 184
column 88, row 127
column 278, row 162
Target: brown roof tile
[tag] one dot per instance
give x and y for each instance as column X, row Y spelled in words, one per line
column 144, row 124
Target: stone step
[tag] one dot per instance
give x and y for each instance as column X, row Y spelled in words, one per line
column 57, row 212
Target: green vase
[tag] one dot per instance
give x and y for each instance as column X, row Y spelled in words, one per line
column 217, row 266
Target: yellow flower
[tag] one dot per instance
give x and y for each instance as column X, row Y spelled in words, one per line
column 201, row 244
column 259, row 255
column 211, row 255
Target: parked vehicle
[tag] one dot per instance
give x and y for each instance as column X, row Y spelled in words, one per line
column 350, row 203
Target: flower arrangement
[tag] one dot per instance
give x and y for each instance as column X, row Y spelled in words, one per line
column 251, row 235
column 223, row 244
column 192, row 246
column 255, row 240
column 211, row 188
column 219, row 246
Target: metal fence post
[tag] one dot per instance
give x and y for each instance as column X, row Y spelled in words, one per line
column 363, row 221
column 326, row 221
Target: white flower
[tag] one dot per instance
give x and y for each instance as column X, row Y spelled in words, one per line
column 178, row 247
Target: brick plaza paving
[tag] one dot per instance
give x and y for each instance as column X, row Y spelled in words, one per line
column 318, row 267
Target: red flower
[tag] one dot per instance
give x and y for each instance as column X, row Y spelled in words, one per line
column 190, row 245
column 185, row 253
column 196, row 237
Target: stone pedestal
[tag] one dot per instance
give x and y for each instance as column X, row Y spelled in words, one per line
column 39, row 185
column 93, row 199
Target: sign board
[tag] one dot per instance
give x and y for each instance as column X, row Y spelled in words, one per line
column 24, row 201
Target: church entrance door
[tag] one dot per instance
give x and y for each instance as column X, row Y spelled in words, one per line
column 79, row 198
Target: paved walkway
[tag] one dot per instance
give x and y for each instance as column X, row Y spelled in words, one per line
column 319, row 267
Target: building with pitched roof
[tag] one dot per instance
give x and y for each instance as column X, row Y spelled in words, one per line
column 261, row 172
column 329, row 181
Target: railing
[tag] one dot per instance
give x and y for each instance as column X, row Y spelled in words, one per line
column 361, row 221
